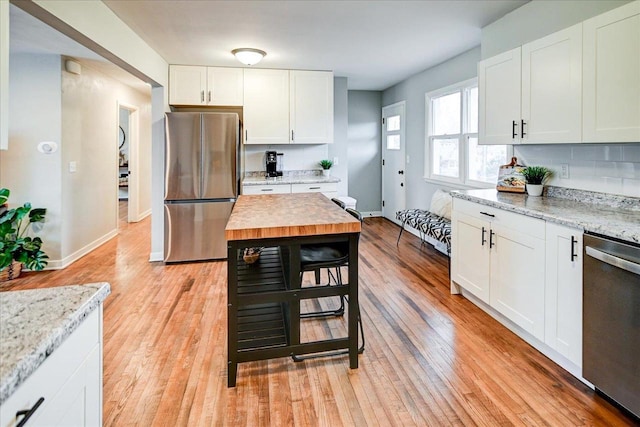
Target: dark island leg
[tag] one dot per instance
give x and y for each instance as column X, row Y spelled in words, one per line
column 232, row 313
column 353, row 301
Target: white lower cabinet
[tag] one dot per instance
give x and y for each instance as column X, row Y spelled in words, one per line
column 68, row 382
column 329, row 189
column 266, row 189
column 563, row 292
column 499, row 257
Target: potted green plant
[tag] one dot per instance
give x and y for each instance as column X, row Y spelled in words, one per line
column 535, row 176
column 326, row 166
column 16, row 247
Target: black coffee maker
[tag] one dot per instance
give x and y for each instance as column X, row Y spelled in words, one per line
column 271, row 164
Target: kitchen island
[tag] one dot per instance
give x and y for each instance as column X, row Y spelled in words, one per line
column 264, row 297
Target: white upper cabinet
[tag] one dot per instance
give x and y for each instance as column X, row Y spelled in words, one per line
column 499, row 109
column 311, row 107
column 266, row 106
column 533, row 94
column 288, row 107
column 552, row 88
column 192, row 85
column 225, row 86
column 611, row 63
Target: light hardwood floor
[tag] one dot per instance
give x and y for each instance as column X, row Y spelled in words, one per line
column 431, row 359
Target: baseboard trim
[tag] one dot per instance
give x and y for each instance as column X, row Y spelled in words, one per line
column 68, row 260
column 156, row 256
column 143, row 215
column 372, row 214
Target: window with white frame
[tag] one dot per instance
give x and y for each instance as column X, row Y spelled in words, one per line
column 452, row 151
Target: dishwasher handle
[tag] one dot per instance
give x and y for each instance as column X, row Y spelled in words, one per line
column 615, row 261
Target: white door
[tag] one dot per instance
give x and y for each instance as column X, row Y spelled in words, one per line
column 611, row 90
column 393, row 160
column 552, row 88
column 266, row 106
column 311, row 107
column 470, row 254
column 499, row 107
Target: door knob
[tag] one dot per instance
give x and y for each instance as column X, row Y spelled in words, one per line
column 400, row 172
column 402, row 184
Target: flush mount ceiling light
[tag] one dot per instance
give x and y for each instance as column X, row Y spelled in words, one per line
column 249, row 56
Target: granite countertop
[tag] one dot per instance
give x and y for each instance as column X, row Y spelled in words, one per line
column 287, row 215
column 289, row 177
column 608, row 215
column 33, row 323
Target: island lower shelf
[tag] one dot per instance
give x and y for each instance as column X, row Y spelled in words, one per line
column 264, row 303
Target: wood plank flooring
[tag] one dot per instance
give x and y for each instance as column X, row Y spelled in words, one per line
column 431, row 359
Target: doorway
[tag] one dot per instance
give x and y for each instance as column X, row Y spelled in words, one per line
column 393, row 160
column 127, row 143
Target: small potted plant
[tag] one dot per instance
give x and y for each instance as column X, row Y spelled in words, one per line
column 16, row 248
column 535, row 177
column 326, row 167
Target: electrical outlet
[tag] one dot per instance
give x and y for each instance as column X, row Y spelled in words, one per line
column 335, row 161
column 72, row 167
column 564, row 171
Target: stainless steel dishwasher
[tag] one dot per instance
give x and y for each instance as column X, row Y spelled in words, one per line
column 611, row 319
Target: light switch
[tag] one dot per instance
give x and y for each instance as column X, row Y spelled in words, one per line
column 72, row 167
column 335, row 161
column 564, row 171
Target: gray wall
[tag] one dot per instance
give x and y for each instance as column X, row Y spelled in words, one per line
column 365, row 176
column 340, row 125
column 609, row 168
column 412, row 90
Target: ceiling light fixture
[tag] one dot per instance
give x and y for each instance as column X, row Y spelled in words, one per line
column 249, row 56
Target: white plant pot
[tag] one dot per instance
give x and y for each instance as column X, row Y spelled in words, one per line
column 326, row 172
column 535, row 189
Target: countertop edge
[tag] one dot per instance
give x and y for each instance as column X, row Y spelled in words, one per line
column 592, row 227
column 29, row 364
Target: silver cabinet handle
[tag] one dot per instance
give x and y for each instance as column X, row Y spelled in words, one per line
column 266, row 189
column 209, row 96
column 201, row 96
column 314, row 188
column 293, row 138
column 629, row 266
column 246, row 135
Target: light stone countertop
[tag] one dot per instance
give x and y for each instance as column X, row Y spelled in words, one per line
column 33, row 323
column 608, row 215
column 289, row 177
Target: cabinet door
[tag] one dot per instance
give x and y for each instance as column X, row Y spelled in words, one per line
column 187, row 85
column 266, row 189
column 552, row 88
column 470, row 254
column 311, row 107
column 499, row 84
column 266, row 106
column 611, row 63
column 563, row 294
column 225, row 86
column 517, row 278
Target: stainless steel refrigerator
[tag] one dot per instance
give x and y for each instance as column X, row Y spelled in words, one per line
column 201, row 184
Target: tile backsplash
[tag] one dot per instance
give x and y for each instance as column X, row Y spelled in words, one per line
column 296, row 157
column 607, row 168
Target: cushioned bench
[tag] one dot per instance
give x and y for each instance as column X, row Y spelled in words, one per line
column 434, row 227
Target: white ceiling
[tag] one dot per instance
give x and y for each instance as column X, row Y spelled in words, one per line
column 375, row 44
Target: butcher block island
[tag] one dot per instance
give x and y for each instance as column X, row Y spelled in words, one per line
column 264, row 296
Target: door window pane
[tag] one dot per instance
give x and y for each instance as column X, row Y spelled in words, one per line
column 393, row 123
column 446, row 159
column 446, row 114
column 485, row 160
column 393, row 142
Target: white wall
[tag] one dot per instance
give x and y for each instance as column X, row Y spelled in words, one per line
column 364, row 133
column 95, row 26
column 35, row 85
column 412, row 90
column 90, row 117
column 80, row 114
column 610, row 168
